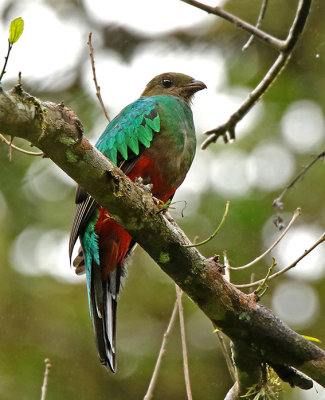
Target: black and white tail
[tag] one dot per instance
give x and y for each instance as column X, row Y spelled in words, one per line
column 103, row 303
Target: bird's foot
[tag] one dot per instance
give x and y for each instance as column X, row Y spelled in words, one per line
column 147, row 187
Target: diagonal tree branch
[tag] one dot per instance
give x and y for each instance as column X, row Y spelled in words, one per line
column 252, row 328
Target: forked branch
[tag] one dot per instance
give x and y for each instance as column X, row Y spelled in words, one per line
column 284, row 47
column 259, row 21
column 292, row 265
column 296, row 214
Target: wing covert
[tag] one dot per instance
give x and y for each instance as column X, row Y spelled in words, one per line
column 133, row 127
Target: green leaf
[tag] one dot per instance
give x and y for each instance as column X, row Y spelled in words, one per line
column 15, row 30
column 311, row 339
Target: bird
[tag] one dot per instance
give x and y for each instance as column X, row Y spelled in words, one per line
column 152, row 140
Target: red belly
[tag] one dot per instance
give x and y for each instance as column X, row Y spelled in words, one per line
column 113, row 240
column 146, row 169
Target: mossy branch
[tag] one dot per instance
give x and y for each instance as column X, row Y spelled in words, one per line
column 255, row 331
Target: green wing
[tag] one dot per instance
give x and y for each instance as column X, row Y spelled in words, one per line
column 133, row 127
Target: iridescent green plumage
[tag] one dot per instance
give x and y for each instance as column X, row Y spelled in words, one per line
column 135, row 125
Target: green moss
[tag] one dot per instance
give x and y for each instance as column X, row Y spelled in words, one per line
column 164, row 258
column 67, row 141
column 71, row 157
column 244, row 317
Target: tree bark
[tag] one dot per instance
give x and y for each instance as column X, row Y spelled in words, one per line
column 258, row 336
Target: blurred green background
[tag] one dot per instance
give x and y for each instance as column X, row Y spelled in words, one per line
column 43, row 306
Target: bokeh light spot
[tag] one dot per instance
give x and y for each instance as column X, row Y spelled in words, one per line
column 303, row 126
column 40, row 252
column 293, row 245
column 47, row 182
column 227, row 173
column 162, row 17
column 270, row 166
column 296, row 303
column 44, row 59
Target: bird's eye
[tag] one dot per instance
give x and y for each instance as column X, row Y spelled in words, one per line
column 167, row 82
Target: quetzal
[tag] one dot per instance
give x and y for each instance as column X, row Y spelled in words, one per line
column 153, row 138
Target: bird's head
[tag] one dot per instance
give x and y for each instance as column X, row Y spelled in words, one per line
column 173, row 84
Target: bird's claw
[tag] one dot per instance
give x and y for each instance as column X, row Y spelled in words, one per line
column 147, row 187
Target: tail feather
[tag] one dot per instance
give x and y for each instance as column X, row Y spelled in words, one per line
column 103, row 303
column 109, row 326
column 79, row 263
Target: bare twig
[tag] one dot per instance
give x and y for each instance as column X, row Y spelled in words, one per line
column 224, row 349
column 265, row 37
column 215, row 232
column 278, row 201
column 262, row 287
column 258, row 24
column 227, row 266
column 6, row 60
column 92, row 60
column 10, row 148
column 48, row 366
column 162, row 351
column 252, row 278
column 179, row 294
column 296, row 214
column 282, row 271
column 227, row 130
column 30, row 153
column 225, row 353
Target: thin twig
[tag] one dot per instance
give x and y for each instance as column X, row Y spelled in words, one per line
column 258, row 24
column 224, row 349
column 296, row 214
column 6, row 60
column 282, row 271
column 251, row 281
column 227, row 266
column 277, row 44
column 92, row 60
column 262, row 287
column 225, row 353
column 179, row 294
column 30, row 153
column 10, row 148
column 278, row 201
column 215, row 232
column 162, row 351
column 48, row 366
